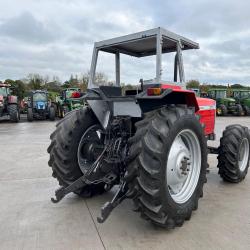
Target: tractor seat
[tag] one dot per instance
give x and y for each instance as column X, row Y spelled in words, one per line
column 111, row 91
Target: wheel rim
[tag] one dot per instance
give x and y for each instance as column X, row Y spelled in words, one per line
column 183, row 166
column 243, row 154
column 90, row 147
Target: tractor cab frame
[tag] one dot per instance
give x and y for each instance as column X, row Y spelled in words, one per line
column 106, row 101
column 147, row 43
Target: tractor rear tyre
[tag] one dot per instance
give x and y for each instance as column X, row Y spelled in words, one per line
column 222, row 110
column 234, row 156
column 30, row 115
column 167, row 166
column 65, row 110
column 239, row 110
column 64, row 146
column 246, row 110
column 14, row 113
column 52, row 113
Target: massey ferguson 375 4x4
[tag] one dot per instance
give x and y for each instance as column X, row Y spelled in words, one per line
column 151, row 142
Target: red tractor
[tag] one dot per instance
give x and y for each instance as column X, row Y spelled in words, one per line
column 8, row 104
column 150, row 142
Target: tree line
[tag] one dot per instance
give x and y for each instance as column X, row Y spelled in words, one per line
column 22, row 87
column 204, row 87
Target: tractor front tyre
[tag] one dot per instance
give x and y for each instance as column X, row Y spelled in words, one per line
column 222, row 110
column 30, row 115
column 13, row 113
column 239, row 110
column 167, row 165
column 64, row 147
column 52, row 113
column 234, row 156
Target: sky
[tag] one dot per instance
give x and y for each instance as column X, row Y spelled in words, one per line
column 55, row 37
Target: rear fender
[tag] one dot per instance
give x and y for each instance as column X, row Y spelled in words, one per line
column 12, row 99
column 168, row 97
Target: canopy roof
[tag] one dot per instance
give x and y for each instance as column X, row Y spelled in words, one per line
column 240, row 90
column 144, row 43
column 218, row 89
column 4, row 85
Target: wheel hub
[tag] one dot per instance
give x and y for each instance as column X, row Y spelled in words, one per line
column 90, row 147
column 243, row 154
column 183, row 166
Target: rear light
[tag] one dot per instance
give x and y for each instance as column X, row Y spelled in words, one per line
column 154, row 91
column 75, row 95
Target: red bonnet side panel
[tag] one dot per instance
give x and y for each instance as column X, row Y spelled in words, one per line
column 207, row 112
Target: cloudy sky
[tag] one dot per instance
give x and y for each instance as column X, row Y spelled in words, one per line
column 55, row 37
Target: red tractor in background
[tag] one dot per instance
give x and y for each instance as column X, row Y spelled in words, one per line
column 150, row 142
column 8, row 104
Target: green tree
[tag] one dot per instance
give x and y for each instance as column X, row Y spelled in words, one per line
column 35, row 81
column 101, row 78
column 194, row 84
column 204, row 88
column 53, row 86
column 18, row 87
column 9, row 81
column 237, row 86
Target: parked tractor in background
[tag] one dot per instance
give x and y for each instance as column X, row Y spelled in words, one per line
column 39, row 107
column 151, row 144
column 196, row 91
column 8, row 104
column 69, row 100
column 242, row 97
column 24, row 105
column 225, row 105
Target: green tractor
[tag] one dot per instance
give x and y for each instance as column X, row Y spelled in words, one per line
column 225, row 105
column 242, row 97
column 69, row 100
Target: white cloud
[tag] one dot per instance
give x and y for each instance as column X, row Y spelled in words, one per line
column 53, row 37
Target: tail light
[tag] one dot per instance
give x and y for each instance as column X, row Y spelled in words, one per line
column 75, row 95
column 154, row 91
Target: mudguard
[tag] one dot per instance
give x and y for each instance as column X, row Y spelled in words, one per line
column 171, row 95
column 12, row 99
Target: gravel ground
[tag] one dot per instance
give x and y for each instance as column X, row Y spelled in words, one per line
column 28, row 220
